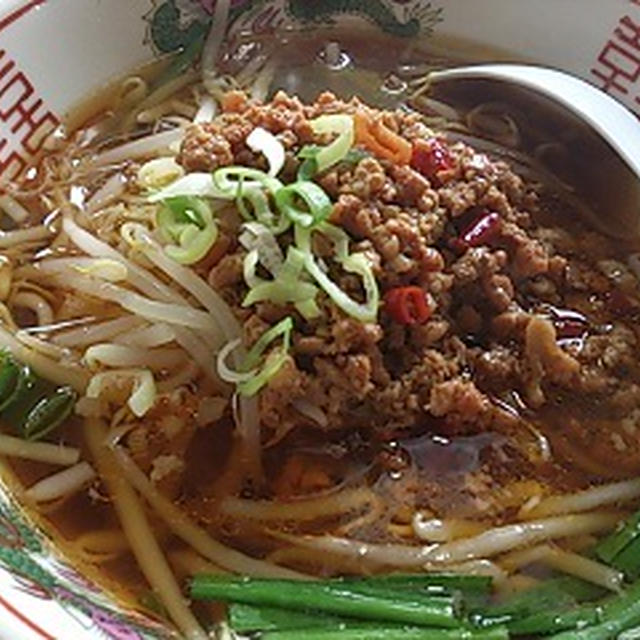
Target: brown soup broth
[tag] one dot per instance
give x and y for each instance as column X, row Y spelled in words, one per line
column 429, row 466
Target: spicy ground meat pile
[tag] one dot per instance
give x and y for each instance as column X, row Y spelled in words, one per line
column 525, row 316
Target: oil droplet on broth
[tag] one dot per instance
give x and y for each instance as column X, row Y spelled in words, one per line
column 334, row 57
column 436, row 456
column 311, row 63
column 394, row 85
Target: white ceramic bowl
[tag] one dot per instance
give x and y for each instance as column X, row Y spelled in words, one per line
column 54, row 52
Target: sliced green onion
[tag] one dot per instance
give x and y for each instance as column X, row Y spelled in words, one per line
column 30, row 404
column 318, row 204
column 48, row 413
column 317, row 158
column 23, row 383
column 353, row 263
column 339, row 237
column 307, row 169
column 309, row 166
column 249, row 269
column 334, row 123
column 183, row 210
column 287, row 287
column 193, row 184
column 187, row 222
column 29, row 390
column 250, row 379
column 356, row 155
column 257, row 236
column 262, row 141
column 253, row 187
column 143, row 393
column 260, row 208
column 310, row 151
column 160, row 172
column 9, row 377
column 308, row 309
column 193, row 245
column 274, row 360
column 227, row 180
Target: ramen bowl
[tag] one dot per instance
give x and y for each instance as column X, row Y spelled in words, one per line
column 55, row 53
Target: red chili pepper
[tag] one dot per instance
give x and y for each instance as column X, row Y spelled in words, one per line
column 569, row 323
column 567, row 329
column 481, row 231
column 429, row 157
column 408, row 305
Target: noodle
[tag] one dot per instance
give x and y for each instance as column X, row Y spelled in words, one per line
column 309, row 559
column 249, row 71
column 214, row 40
column 189, row 563
column 13, row 209
column 200, row 351
column 90, row 333
column 37, row 234
column 101, row 546
column 193, row 535
column 147, row 337
column 159, row 95
column 504, row 538
column 485, row 545
column 153, row 310
column 112, row 188
column 567, row 562
column 312, row 412
column 475, row 568
column 132, row 91
column 38, row 451
column 37, row 304
column 610, row 494
column 143, row 388
column 42, row 346
column 436, row 530
column 160, row 113
column 139, row 277
column 156, row 144
column 207, row 110
column 6, row 277
column 136, row 528
column 249, row 423
column 62, row 484
column 118, row 355
column 210, row 300
column 44, row 366
column 492, row 120
column 260, row 87
column 516, row 560
column 322, row 507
